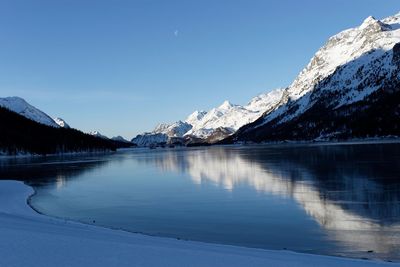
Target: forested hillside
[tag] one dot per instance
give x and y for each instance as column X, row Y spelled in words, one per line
column 19, row 135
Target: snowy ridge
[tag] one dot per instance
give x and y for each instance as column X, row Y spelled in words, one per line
column 341, row 49
column 176, row 129
column 61, row 123
column 20, row 106
column 220, row 121
column 227, row 115
column 148, row 139
column 231, row 117
column 195, row 117
column 162, row 134
column 371, row 40
column 98, row 134
column 352, row 81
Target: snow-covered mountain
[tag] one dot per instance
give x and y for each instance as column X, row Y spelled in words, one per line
column 98, row 134
column 23, row 108
column 218, row 117
column 20, row 106
column 195, row 117
column 211, row 126
column 177, row 129
column 356, row 70
column 61, row 123
column 162, row 134
column 148, row 139
column 350, row 88
column 231, row 117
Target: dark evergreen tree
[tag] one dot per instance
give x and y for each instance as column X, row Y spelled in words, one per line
column 21, row 135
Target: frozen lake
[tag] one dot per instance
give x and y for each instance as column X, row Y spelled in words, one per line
column 324, row 199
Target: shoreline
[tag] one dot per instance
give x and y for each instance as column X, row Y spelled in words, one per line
column 82, row 153
column 355, row 141
column 33, row 239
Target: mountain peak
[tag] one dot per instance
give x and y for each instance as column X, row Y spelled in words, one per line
column 369, row 20
column 356, row 66
column 197, row 113
column 98, row 134
column 195, row 117
column 373, row 24
column 61, row 123
column 226, row 105
column 120, row 139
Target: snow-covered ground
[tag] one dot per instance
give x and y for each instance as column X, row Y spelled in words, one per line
column 31, row 239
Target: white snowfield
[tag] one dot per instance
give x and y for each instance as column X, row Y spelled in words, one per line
column 31, row 239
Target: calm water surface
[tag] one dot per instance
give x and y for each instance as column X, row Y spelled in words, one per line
column 327, row 199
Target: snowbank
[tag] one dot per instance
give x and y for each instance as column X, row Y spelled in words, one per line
column 31, row 239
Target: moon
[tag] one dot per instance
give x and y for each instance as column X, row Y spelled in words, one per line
column 176, row 32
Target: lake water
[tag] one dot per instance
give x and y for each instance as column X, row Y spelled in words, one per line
column 325, row 199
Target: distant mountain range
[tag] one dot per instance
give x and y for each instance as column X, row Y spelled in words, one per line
column 212, row 126
column 350, row 89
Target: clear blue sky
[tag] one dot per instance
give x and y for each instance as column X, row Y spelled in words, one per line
column 121, row 67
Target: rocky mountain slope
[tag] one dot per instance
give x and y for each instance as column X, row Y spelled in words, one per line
column 350, row 89
column 163, row 134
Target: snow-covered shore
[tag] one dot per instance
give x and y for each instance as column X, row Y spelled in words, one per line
column 31, row 239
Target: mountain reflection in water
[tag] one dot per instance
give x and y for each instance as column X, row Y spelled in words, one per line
column 329, row 199
column 354, row 198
